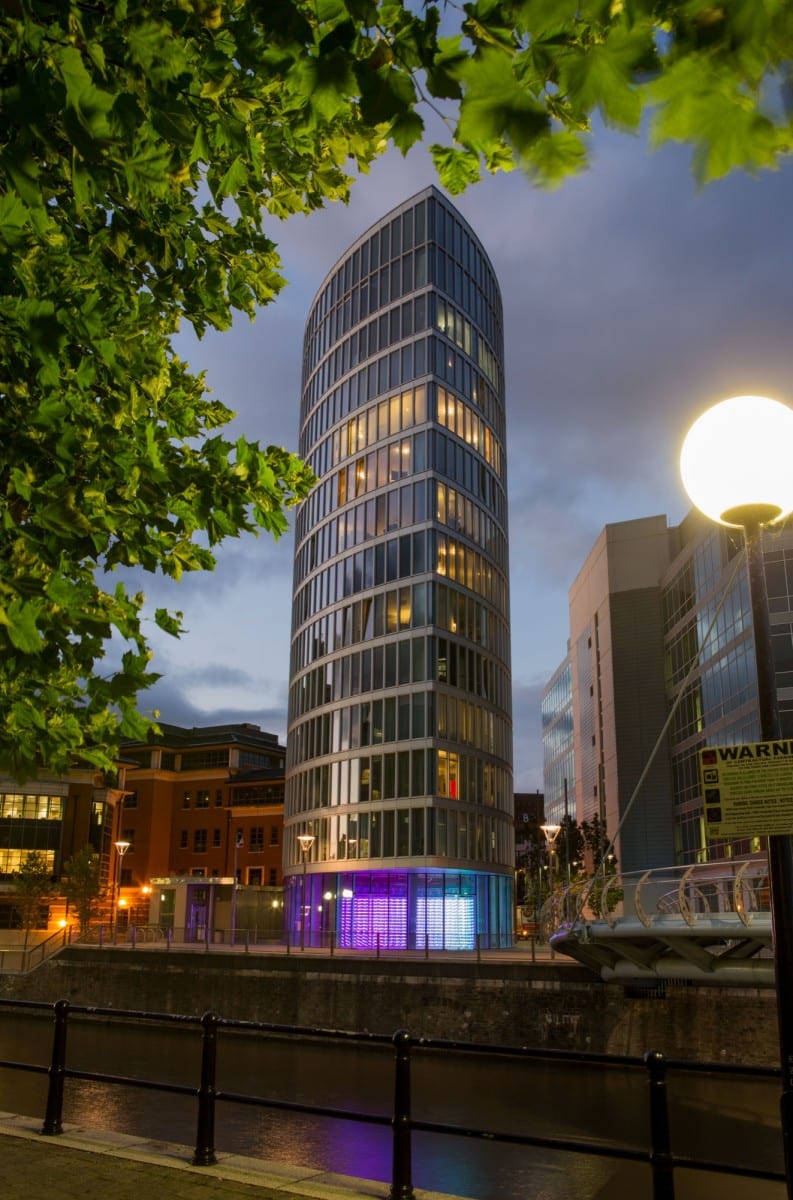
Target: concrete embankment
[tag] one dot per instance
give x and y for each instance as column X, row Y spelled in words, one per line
column 548, row 1004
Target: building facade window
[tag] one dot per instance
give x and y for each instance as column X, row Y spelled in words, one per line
column 399, row 748
column 199, row 841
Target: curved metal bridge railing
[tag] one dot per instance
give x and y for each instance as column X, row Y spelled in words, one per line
column 707, row 920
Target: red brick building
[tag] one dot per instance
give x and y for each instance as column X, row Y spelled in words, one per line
column 206, row 802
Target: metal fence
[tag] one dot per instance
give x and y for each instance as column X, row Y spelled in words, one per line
column 659, row 1154
column 158, row 937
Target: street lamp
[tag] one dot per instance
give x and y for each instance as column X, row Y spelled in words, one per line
column 551, row 834
column 121, row 849
column 736, row 467
column 239, row 838
column 306, row 841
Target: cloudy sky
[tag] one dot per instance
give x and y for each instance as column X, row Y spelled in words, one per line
column 632, row 301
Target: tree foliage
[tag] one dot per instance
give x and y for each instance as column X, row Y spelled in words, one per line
column 145, row 148
column 81, row 885
column 33, row 887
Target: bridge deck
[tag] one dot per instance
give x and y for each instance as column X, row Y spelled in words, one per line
column 709, row 922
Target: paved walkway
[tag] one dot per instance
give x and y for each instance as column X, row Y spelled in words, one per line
column 82, row 1164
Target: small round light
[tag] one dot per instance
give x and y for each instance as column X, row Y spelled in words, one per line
column 736, row 461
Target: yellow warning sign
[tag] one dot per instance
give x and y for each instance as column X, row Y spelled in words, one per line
column 748, row 789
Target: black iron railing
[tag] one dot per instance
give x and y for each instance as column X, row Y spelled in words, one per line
column 658, row 1155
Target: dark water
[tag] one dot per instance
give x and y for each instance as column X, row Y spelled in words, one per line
column 712, row 1117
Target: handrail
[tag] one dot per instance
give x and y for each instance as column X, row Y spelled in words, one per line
column 725, row 885
column 658, row 1156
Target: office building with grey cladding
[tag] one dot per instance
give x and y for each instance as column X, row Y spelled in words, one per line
column 660, row 663
column 398, row 827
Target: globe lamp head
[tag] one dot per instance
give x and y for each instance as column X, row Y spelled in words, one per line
column 737, row 461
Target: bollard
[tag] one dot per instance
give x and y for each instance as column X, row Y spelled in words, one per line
column 247, row 940
column 661, row 1161
column 53, row 1122
column 134, row 936
column 205, row 1134
column 332, row 943
column 401, row 1172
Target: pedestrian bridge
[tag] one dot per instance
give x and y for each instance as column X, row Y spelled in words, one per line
column 709, row 922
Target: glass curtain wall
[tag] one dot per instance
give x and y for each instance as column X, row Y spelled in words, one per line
column 399, row 748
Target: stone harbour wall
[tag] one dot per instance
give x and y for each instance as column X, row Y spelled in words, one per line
column 555, row 1005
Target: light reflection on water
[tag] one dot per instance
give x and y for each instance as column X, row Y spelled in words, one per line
column 711, row 1117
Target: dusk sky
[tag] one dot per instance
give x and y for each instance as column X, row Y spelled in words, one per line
column 631, row 300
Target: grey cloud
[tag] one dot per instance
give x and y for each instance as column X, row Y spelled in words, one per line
column 169, row 699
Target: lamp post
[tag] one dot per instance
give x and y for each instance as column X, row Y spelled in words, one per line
column 736, row 467
column 551, row 834
column 121, row 849
column 306, row 841
column 238, row 842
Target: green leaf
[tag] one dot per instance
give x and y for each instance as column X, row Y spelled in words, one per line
column 235, row 178
column 456, row 168
column 19, row 621
column 700, row 102
column 169, row 622
column 406, row 130
column 553, row 158
column 601, row 76
column 14, row 218
column 495, row 106
column 90, row 103
column 385, row 93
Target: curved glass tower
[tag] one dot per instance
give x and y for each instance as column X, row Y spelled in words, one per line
column 398, row 826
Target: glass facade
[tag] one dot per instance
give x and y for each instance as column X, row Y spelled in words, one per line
column 719, row 704
column 29, row 822
column 399, row 745
column 558, row 745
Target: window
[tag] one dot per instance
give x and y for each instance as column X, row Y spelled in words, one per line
column 256, row 838
column 255, row 877
column 126, row 877
column 185, row 800
column 273, row 835
column 202, row 799
column 215, row 838
column 183, row 839
column 128, row 835
column 218, row 798
column 273, row 877
column 131, row 800
column 199, row 841
column 201, row 759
